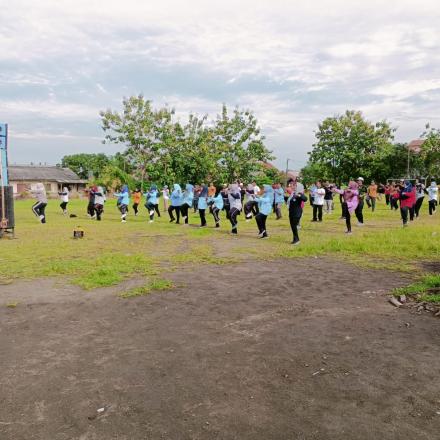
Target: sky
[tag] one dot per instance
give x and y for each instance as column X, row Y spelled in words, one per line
column 293, row 63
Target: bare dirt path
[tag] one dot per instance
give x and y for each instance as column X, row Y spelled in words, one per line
column 298, row 349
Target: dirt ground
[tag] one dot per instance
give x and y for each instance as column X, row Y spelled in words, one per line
column 298, row 349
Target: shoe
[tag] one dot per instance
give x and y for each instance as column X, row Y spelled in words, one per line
column 135, row 214
column 41, row 217
column 151, row 221
column 123, row 220
column 361, row 224
column 264, row 235
column 261, row 234
column 348, row 232
column 320, row 221
column 217, row 225
column 295, row 242
column 314, row 220
column 298, row 227
column 172, row 220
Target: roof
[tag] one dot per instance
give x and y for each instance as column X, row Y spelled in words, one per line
column 416, row 145
column 43, row 173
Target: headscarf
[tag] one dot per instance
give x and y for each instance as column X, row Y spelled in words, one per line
column 177, row 187
column 124, row 189
column 189, row 187
column 204, row 191
column 408, row 186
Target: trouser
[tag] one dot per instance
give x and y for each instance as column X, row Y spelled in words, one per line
column 317, row 213
column 250, row 208
column 99, row 209
column 184, row 210
column 328, row 206
column 91, row 209
column 372, row 203
column 227, row 208
column 135, row 208
column 202, row 217
column 278, row 210
column 216, row 214
column 261, row 218
column 358, row 211
column 39, row 210
column 151, row 209
column 233, row 213
column 412, row 212
column 311, row 199
column 346, row 214
column 123, row 209
column 404, row 214
column 63, row 205
column 418, row 205
column 294, row 222
column 387, row 199
column 195, row 204
column 170, row 212
column 432, row 206
column 165, row 204
column 393, row 203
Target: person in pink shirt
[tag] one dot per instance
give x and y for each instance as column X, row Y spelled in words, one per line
column 350, row 197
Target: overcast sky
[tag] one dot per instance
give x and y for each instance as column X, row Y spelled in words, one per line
column 292, row 62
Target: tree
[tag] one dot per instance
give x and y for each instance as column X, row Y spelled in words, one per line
column 85, row 165
column 347, row 144
column 430, row 151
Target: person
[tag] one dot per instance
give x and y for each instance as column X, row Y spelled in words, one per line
column 39, row 208
column 202, row 205
column 251, row 205
column 420, row 196
column 362, row 191
column 217, row 206
column 312, row 194
column 152, row 202
column 235, row 204
column 372, row 196
column 91, row 205
column 318, row 202
column 166, row 197
column 99, row 202
column 278, row 200
column 406, row 200
column 394, row 196
column 328, row 198
column 64, row 196
column 350, row 202
column 176, row 203
column 224, row 193
column 197, row 190
column 123, row 202
column 432, row 198
column 387, row 192
column 187, row 202
column 137, row 195
column 265, row 202
column 295, row 204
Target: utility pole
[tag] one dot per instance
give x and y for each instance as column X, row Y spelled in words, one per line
column 287, row 168
column 407, row 165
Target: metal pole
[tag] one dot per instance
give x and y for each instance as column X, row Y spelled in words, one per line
column 287, row 169
column 407, row 167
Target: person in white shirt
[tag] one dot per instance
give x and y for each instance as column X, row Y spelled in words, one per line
column 64, row 196
column 318, row 202
column 432, row 197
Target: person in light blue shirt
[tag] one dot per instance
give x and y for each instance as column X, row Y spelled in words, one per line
column 203, row 205
column 176, row 199
column 187, row 201
column 123, row 202
column 265, row 203
column 152, row 202
column 217, row 206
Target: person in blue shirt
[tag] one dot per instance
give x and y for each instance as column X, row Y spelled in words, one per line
column 187, row 201
column 278, row 199
column 123, row 202
column 203, row 205
column 216, row 207
column 176, row 199
column 152, row 202
column 265, row 203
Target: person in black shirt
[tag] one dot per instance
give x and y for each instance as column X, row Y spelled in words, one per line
column 295, row 204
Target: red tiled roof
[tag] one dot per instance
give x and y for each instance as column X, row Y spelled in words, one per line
column 416, row 145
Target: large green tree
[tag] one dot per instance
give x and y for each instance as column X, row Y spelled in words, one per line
column 347, row 145
column 85, row 165
column 430, row 151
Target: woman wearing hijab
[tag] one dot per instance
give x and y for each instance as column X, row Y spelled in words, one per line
column 40, row 206
column 137, row 195
column 350, row 201
column 235, row 206
column 216, row 207
column 152, row 202
column 64, row 196
column 91, row 205
column 203, row 205
column 406, row 200
column 123, row 202
column 99, row 202
column 176, row 202
column 432, row 197
column 265, row 203
column 278, row 200
column 187, row 201
column 295, row 204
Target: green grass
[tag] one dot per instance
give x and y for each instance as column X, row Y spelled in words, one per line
column 156, row 284
column 426, row 289
column 111, row 251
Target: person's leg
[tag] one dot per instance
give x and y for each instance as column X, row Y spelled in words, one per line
column 294, row 226
column 431, row 207
column 404, row 214
column 320, row 213
column 202, row 217
column 259, row 221
column 387, row 199
column 373, row 203
column 233, row 213
column 124, row 209
column 419, row 203
column 358, row 212
column 255, row 209
column 184, row 211
column 411, row 213
column 368, row 201
column 156, row 208
column 315, row 213
column 43, row 212
column 135, row 208
column 216, row 215
column 177, row 208
column 170, row 213
column 150, row 208
column 263, row 224
column 248, row 210
column 278, row 210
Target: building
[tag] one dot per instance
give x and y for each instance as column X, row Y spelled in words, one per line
column 415, row 146
column 54, row 178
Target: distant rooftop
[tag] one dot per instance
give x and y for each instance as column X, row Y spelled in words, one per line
column 43, row 173
column 416, row 145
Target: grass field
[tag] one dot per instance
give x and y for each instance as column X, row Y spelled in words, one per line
column 112, row 251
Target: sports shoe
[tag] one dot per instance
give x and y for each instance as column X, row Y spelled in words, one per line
column 296, row 242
